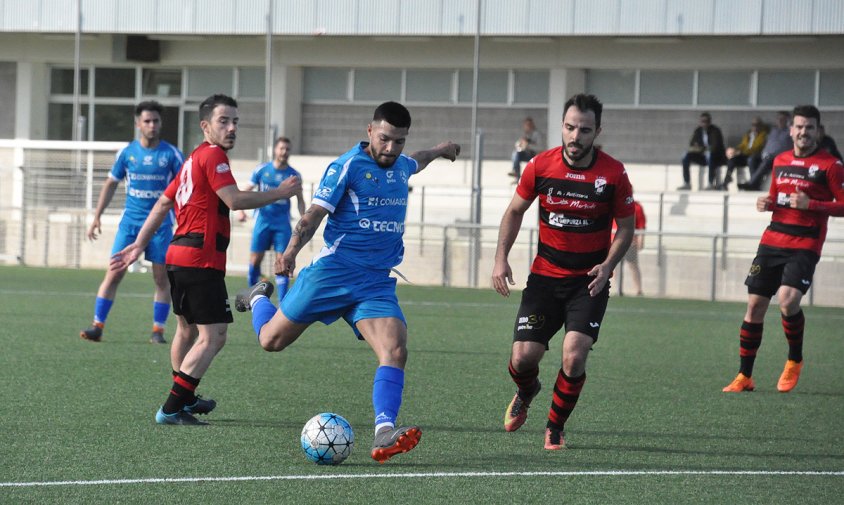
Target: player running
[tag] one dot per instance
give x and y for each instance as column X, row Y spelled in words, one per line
column 807, row 187
column 201, row 195
column 580, row 190
column 272, row 226
column 147, row 164
column 364, row 194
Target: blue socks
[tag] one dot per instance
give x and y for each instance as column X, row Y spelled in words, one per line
column 160, row 311
column 254, row 274
column 281, row 282
column 262, row 311
column 101, row 308
column 386, row 395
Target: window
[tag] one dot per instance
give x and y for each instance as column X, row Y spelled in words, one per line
column 831, row 88
column 162, row 82
column 61, row 81
column 530, row 86
column 114, row 122
column 784, row 88
column 114, row 82
column 377, row 85
column 250, row 83
column 206, row 81
column 60, row 124
column 616, row 87
column 326, row 84
column 429, row 85
column 724, row 88
column 492, row 86
column 658, row 87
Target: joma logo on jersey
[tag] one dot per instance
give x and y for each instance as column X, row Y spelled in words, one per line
column 577, row 177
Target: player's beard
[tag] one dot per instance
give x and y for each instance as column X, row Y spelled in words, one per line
column 584, row 151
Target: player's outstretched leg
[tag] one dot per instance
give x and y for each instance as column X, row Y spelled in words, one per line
column 390, row 441
column 245, row 297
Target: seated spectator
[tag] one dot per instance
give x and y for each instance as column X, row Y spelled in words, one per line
column 779, row 140
column 826, row 142
column 706, row 148
column 528, row 145
column 747, row 152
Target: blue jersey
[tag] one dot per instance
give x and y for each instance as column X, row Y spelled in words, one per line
column 367, row 205
column 266, row 177
column 147, row 173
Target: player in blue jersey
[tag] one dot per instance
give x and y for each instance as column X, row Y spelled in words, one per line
column 364, row 194
column 272, row 226
column 147, row 165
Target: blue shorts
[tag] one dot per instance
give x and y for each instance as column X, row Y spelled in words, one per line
column 327, row 290
column 156, row 250
column 263, row 236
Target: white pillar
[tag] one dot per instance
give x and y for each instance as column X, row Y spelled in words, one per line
column 562, row 84
column 287, row 102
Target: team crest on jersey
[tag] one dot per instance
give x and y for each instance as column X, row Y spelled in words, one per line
column 600, row 185
column 162, row 161
column 813, row 171
column 222, row 168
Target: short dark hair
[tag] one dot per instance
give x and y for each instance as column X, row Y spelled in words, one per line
column 584, row 103
column 807, row 111
column 206, row 108
column 150, row 105
column 394, row 113
column 281, row 139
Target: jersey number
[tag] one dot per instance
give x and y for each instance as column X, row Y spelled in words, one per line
column 185, row 190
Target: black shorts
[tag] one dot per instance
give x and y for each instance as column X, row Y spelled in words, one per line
column 199, row 295
column 773, row 267
column 549, row 302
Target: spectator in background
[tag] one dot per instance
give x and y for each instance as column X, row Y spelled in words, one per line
column 527, row 146
column 631, row 257
column 826, row 142
column 746, row 153
column 706, row 148
column 779, row 140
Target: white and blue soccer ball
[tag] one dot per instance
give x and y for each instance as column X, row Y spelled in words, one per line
column 327, row 439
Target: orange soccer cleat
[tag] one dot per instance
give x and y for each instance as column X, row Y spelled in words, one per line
column 739, row 384
column 554, row 439
column 790, row 376
column 391, row 441
column 516, row 413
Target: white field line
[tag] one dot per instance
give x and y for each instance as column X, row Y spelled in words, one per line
column 430, row 475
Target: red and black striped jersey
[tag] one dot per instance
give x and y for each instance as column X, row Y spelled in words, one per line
column 576, row 210
column 821, row 176
column 203, row 229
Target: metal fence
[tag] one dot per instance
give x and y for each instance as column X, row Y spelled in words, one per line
column 697, row 245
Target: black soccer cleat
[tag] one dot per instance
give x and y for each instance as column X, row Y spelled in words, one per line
column 242, row 302
column 94, row 333
column 201, row 406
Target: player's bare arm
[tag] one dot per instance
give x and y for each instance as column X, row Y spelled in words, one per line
column 511, row 222
column 300, row 199
column 238, row 200
column 448, row 150
column 241, row 214
column 130, row 253
column 106, row 194
column 302, row 233
column 618, row 247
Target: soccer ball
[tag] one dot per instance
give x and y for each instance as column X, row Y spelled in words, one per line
column 327, row 439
